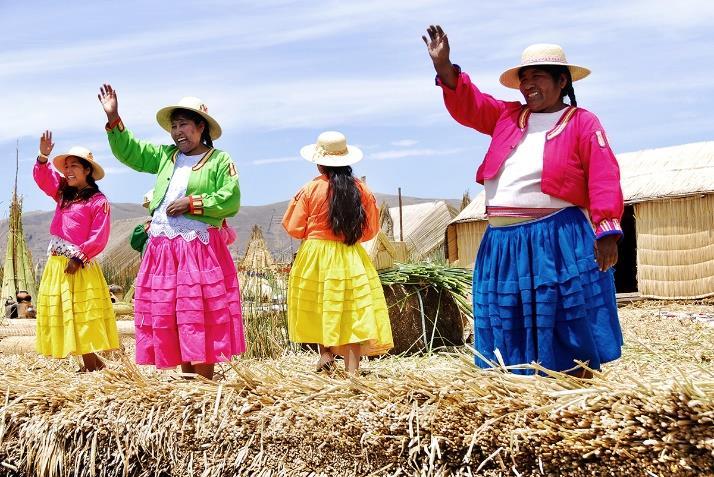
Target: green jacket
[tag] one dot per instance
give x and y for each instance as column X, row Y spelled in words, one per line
column 212, row 186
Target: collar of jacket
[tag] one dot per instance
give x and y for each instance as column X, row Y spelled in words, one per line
column 206, row 157
column 557, row 129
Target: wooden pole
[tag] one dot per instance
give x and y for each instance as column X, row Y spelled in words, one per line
column 401, row 226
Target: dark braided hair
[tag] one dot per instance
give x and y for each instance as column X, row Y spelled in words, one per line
column 347, row 215
column 197, row 119
column 555, row 71
column 68, row 194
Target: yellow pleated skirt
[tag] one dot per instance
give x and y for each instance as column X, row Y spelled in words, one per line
column 335, row 298
column 74, row 312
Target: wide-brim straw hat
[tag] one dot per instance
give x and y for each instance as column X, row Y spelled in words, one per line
column 331, row 149
column 542, row 54
column 163, row 116
column 83, row 153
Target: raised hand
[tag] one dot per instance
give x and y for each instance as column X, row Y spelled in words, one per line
column 46, row 145
column 437, row 45
column 108, row 97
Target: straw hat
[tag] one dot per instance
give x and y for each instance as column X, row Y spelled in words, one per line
column 542, row 54
column 331, row 149
column 163, row 116
column 83, row 153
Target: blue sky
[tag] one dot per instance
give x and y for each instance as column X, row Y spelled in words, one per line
column 276, row 73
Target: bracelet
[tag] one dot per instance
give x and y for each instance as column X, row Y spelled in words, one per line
column 39, row 154
column 111, row 125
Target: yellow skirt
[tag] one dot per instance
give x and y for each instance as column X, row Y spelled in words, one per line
column 335, row 298
column 74, row 312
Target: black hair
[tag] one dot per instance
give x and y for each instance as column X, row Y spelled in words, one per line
column 197, row 119
column 555, row 71
column 69, row 194
column 347, row 215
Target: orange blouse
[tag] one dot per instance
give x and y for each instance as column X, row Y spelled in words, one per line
column 307, row 216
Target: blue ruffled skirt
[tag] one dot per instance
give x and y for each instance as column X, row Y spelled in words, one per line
column 539, row 296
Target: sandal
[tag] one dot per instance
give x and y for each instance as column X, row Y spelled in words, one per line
column 327, row 365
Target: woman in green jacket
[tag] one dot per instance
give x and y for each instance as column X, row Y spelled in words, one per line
column 187, row 305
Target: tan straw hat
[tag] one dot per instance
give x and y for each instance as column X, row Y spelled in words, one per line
column 332, row 150
column 542, row 54
column 83, row 153
column 163, row 116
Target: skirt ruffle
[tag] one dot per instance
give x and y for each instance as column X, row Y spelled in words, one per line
column 335, row 298
column 187, row 303
column 74, row 312
column 539, row 296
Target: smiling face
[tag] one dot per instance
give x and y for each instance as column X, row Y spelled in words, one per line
column 76, row 173
column 541, row 91
column 186, row 133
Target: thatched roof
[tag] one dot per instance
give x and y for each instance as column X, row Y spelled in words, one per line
column 676, row 171
column 257, row 255
column 18, row 271
column 424, row 225
column 650, row 174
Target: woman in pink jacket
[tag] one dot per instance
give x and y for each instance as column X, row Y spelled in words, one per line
column 543, row 280
column 74, row 311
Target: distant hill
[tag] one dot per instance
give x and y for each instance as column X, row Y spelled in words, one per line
column 124, row 216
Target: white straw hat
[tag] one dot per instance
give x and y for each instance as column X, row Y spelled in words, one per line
column 163, row 116
column 331, row 149
column 83, row 153
column 542, row 54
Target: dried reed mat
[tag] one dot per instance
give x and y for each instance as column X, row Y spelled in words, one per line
column 432, row 416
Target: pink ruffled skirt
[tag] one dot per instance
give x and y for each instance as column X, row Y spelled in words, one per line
column 187, row 303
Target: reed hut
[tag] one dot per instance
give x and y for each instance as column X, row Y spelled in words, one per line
column 257, row 255
column 423, row 225
column 668, row 248
column 18, row 271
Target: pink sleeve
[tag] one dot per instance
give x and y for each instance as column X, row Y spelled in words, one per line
column 471, row 107
column 47, row 178
column 603, row 174
column 99, row 230
column 228, row 233
column 295, row 218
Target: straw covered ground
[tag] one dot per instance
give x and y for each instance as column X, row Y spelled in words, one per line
column 651, row 413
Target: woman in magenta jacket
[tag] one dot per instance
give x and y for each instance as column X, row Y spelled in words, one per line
column 543, row 280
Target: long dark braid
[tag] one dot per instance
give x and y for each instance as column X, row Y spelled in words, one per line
column 347, row 214
column 68, row 194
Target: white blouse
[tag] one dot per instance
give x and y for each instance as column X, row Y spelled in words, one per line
column 518, row 183
column 171, row 227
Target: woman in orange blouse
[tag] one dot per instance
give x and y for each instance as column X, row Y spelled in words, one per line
column 335, row 298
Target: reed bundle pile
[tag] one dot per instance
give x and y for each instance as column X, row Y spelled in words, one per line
column 651, row 413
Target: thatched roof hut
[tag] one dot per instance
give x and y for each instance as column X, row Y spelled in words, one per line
column 18, row 271
column 257, row 255
column 668, row 249
column 424, row 226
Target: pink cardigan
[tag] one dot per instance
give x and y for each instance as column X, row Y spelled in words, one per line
column 84, row 224
column 578, row 164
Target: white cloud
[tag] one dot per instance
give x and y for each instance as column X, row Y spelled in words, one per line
column 402, row 153
column 405, row 143
column 275, row 160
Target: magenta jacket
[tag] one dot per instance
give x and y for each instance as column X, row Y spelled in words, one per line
column 84, row 224
column 578, row 164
